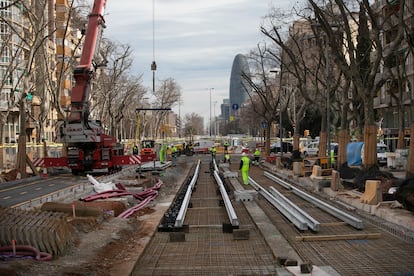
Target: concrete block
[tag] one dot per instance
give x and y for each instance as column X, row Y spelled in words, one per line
column 230, row 174
column 241, row 234
column 281, row 260
column 306, row 268
column 335, row 181
column 224, row 165
column 227, row 228
column 245, row 195
column 291, row 262
column 316, row 171
column 297, row 168
column 373, row 193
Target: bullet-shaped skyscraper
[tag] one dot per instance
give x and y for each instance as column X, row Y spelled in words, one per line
column 238, row 85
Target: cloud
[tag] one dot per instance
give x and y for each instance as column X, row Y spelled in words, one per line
column 195, row 42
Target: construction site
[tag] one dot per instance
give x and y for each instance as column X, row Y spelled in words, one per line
column 197, row 218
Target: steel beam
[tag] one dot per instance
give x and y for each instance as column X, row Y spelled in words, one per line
column 184, row 206
column 351, row 220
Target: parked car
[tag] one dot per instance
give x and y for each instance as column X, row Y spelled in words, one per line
column 355, row 153
column 382, row 150
column 311, row 149
column 286, row 146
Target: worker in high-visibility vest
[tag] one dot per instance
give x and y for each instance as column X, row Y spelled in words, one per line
column 227, row 158
column 163, row 152
column 226, row 147
column 135, row 150
column 256, row 157
column 174, row 154
column 213, row 152
column 244, row 167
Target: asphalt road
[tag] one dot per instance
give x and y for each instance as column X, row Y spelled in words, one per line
column 12, row 193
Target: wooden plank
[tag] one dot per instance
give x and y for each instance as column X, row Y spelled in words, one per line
column 339, row 237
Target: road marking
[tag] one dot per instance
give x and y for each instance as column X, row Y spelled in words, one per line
column 38, row 188
column 6, row 197
column 51, row 185
column 23, row 193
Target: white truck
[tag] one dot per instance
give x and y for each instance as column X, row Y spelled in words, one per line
column 203, row 146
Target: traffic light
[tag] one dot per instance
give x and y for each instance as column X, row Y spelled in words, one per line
column 306, row 133
column 29, row 97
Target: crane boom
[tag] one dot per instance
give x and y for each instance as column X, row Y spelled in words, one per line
column 84, row 72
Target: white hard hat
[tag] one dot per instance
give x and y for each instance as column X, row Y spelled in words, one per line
column 243, row 153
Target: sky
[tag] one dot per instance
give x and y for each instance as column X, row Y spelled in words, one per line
column 193, row 42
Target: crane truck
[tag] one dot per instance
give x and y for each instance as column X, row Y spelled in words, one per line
column 88, row 148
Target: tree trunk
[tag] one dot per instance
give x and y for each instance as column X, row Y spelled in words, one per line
column 21, row 152
column 400, row 142
column 267, row 141
column 410, row 163
column 343, row 140
column 296, row 139
column 370, row 146
column 322, row 143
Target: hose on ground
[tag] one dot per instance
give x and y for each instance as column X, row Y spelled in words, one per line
column 23, row 252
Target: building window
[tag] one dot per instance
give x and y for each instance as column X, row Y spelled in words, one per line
column 5, row 9
column 4, row 28
column 5, row 55
column 5, row 77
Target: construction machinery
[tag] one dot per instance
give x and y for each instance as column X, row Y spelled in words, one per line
column 88, row 148
column 147, row 150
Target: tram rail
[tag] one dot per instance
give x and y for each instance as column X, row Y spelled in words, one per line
column 179, row 222
column 351, row 220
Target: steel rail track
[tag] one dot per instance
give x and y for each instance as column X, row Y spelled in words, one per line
column 297, row 216
column 179, row 221
column 351, row 220
column 227, row 203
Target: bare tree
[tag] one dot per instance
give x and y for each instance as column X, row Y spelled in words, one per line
column 361, row 60
column 167, row 95
column 29, row 38
column 193, row 125
column 304, row 72
column 115, row 91
column 265, row 95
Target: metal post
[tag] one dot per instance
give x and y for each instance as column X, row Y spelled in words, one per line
column 210, row 113
column 179, row 117
column 280, row 131
column 215, row 119
column 328, row 126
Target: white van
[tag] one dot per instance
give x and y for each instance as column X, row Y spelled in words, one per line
column 382, row 150
column 203, row 146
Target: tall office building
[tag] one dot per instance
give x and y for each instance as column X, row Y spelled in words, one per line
column 238, row 85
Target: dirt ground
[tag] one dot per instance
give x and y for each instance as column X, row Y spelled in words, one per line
column 110, row 246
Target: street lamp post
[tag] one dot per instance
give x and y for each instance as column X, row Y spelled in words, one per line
column 215, row 119
column 279, row 71
column 179, row 116
column 334, row 29
column 210, row 112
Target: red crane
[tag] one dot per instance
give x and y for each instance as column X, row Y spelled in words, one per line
column 88, row 148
